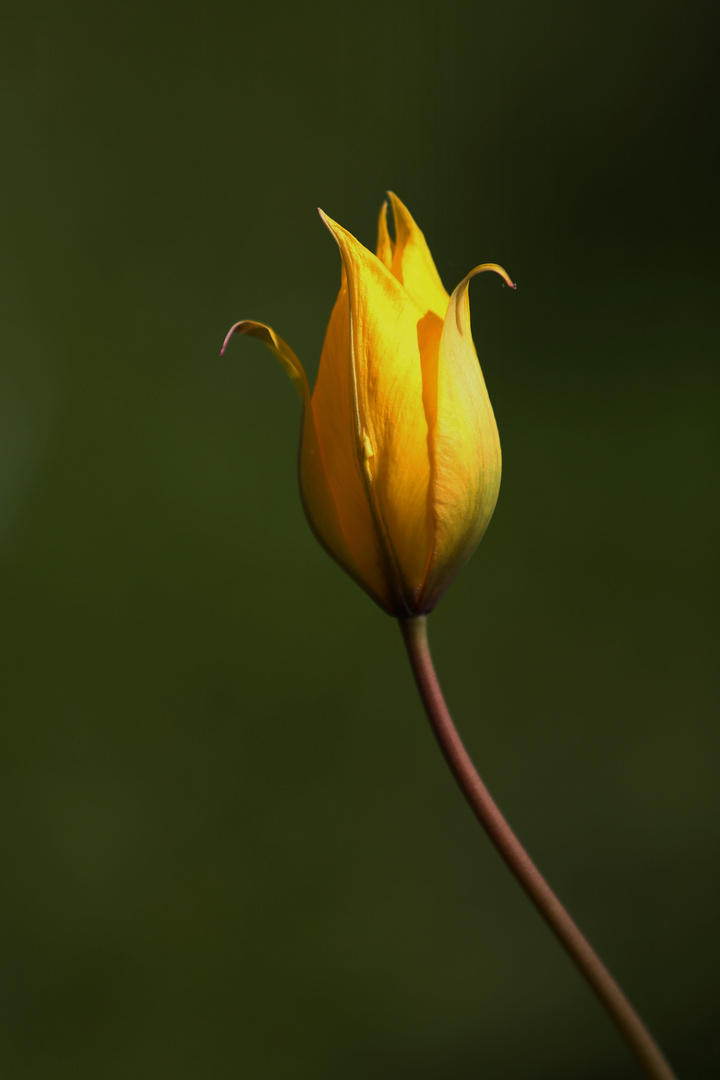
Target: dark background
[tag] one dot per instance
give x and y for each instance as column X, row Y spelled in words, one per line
column 229, row 846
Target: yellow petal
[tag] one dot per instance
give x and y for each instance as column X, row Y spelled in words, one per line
column 322, row 513
column 388, row 416
column 385, row 245
column 465, row 448
column 334, row 420
column 317, row 498
column 413, row 265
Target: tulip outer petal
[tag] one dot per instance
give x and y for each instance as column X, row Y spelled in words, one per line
column 387, row 395
column 466, row 455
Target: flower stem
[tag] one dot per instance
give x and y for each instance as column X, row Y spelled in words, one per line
column 637, row 1036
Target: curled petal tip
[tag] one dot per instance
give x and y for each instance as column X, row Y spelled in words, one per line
column 231, row 331
column 500, row 271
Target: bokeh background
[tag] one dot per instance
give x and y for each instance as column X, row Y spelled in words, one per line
column 229, row 846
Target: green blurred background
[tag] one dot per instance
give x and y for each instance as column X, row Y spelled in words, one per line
column 229, row 846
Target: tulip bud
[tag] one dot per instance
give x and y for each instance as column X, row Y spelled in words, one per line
column 399, row 454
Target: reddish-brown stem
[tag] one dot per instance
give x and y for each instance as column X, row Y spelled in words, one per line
column 637, row 1036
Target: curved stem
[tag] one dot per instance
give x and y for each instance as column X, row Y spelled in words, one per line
column 637, row 1036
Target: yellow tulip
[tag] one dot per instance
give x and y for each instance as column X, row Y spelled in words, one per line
column 399, row 452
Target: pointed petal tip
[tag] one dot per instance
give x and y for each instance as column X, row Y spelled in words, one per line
column 339, row 235
column 396, row 204
column 327, row 220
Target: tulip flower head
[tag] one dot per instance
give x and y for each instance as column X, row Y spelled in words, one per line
column 399, row 451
